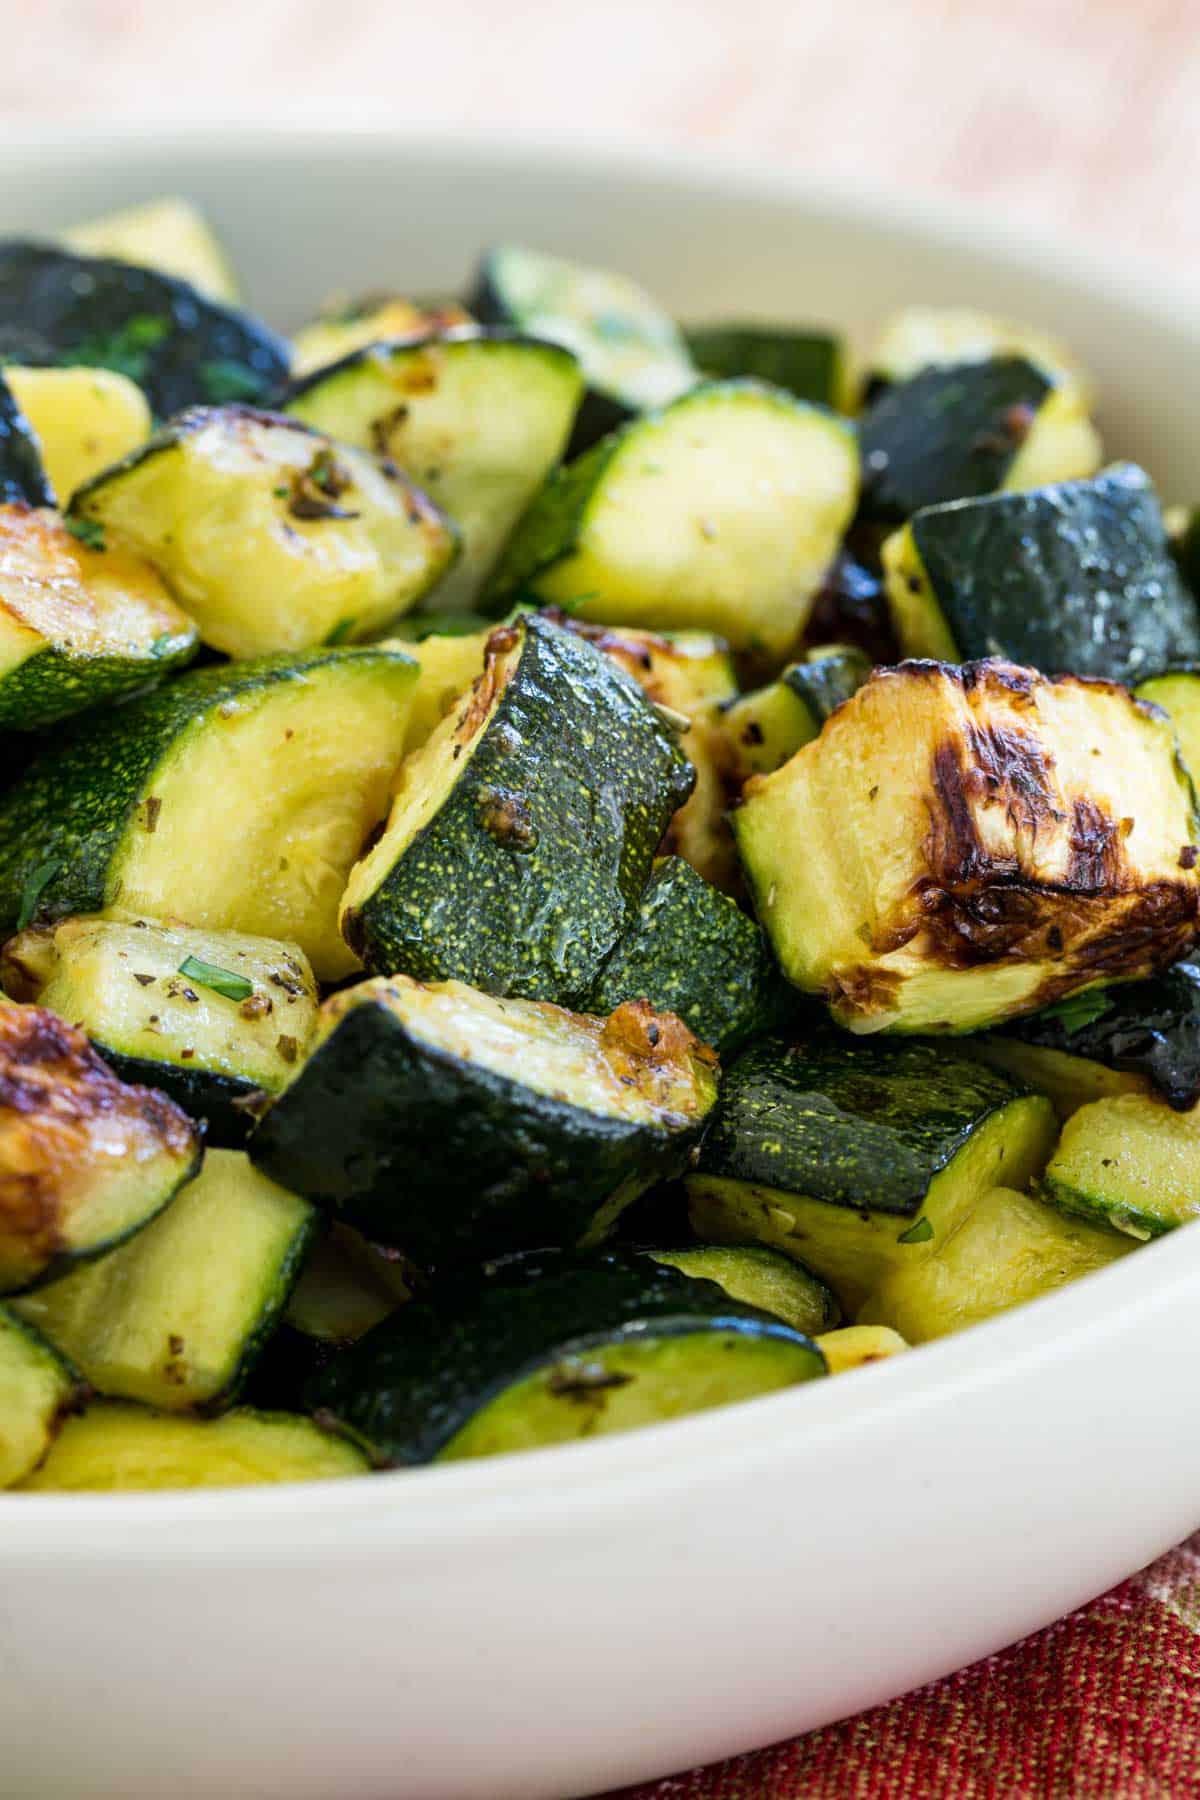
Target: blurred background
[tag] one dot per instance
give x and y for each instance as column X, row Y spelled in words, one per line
column 1074, row 118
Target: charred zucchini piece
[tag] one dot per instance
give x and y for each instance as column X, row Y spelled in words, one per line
column 273, row 537
column 927, row 337
column 37, row 1391
column 1008, row 1250
column 347, row 326
column 116, row 1448
column 1073, row 578
column 545, row 1349
column 454, row 1125
column 170, row 235
column 522, row 832
column 236, row 798
column 85, row 1161
column 177, row 1317
column 691, row 951
column 23, row 478
column 961, row 845
column 812, row 365
column 969, row 428
column 83, row 419
column 345, row 1287
column 855, row 1346
column 720, row 513
column 209, row 1017
column 1177, row 691
column 769, row 725
column 632, row 354
column 859, row 1158
column 1129, row 1163
column 180, row 347
column 761, row 1277
column 82, row 622
column 477, row 419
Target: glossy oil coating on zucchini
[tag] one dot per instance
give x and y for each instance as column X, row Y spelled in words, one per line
column 211, row 1018
column 273, row 537
column 170, row 235
column 547, row 1349
column 476, row 419
column 961, row 845
column 85, row 1161
column 81, row 621
column 719, row 513
column 38, row 1389
column 523, row 830
column 83, row 419
column 1128, row 1162
column 177, row 1317
column 453, row 1125
column 23, row 477
column 237, row 798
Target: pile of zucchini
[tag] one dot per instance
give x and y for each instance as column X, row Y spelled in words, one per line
column 558, row 870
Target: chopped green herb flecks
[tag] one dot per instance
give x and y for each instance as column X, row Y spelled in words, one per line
column 221, row 981
column 36, row 885
column 341, row 631
column 126, row 351
column 226, row 381
column 1079, row 1010
column 920, row 1233
column 88, row 531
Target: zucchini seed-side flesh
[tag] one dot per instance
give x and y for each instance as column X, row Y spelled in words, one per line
column 119, row 1448
column 83, row 420
column 855, row 1346
column 169, row 234
column 720, row 513
column 1129, row 1162
column 274, row 537
column 759, row 1276
column 79, row 625
column 961, row 845
column 37, row 1390
column 236, row 798
column 177, row 1317
column 85, row 1160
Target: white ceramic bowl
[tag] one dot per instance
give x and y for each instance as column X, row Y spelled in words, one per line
column 534, row 1627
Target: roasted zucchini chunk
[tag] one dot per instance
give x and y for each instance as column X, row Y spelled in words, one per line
column 180, row 347
column 236, row 798
column 346, row 1286
column 349, row 325
column 273, row 537
column 691, row 951
column 857, row 1346
column 720, row 513
column 81, row 621
column 454, row 1125
column 85, row 1161
column 759, row 1276
column 170, row 235
column 969, row 428
column 1009, row 1249
column 927, row 337
column 38, row 1389
column 1177, row 691
column 23, row 478
column 177, row 1317
column 477, row 419
column 114, row 1447
column 812, row 365
column 522, row 832
column 1129, row 1163
column 209, row 1017
column 1076, row 578
column 767, row 726
column 545, row 1349
column 449, row 662
column 961, row 845
column 83, row 419
column 632, row 353
column 859, row 1158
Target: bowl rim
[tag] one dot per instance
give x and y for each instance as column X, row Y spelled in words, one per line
column 510, row 1495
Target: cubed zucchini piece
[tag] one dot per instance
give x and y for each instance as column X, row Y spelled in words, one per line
column 23, row 478
column 759, row 1276
column 237, row 798
column 720, row 513
column 545, row 1349
column 177, row 1317
column 85, row 1161
column 523, row 830
column 453, row 1125
column 1177, row 691
column 1068, row 1081
column 856, row 1346
column 345, row 1287
column 169, row 234
column 1076, row 578
column 118, row 1448
column 274, row 537
column 1009, row 1249
column 477, row 419
column 812, row 365
column 858, row 1158
column 926, row 337
column 961, row 845
column 82, row 622
column 211, row 1018
column 83, row 420
column 38, row 1389
column 348, row 325
column 769, row 725
column 969, row 428
column 1130, row 1163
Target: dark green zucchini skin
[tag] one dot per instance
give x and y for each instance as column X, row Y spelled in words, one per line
column 1073, row 578
column 830, row 678
column 22, row 476
column 1149, row 1028
column 444, row 1159
column 204, row 1094
column 806, row 363
column 411, row 1383
column 181, row 347
column 576, row 755
column 690, row 950
column 948, row 433
column 861, row 1123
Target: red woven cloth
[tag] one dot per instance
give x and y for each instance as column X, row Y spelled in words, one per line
column 1105, row 1705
